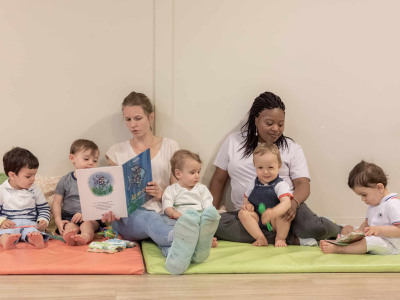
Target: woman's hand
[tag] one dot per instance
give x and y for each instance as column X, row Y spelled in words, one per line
column 154, row 190
column 109, row 217
column 291, row 213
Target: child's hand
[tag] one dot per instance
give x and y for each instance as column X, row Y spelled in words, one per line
column 77, row 218
column 42, row 225
column 154, row 190
column 267, row 216
column 175, row 215
column 109, row 217
column 60, row 225
column 373, row 230
column 7, row 224
column 248, row 206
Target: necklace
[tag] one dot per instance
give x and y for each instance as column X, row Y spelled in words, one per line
column 134, row 145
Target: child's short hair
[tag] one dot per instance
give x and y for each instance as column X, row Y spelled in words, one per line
column 82, row 144
column 179, row 157
column 366, row 174
column 263, row 148
column 18, row 158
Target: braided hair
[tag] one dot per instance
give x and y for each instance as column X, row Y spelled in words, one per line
column 266, row 100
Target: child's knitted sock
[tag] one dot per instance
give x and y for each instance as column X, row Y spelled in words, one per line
column 209, row 220
column 186, row 234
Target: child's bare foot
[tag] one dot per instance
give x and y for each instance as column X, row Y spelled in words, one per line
column 69, row 237
column 280, row 243
column 214, row 243
column 35, row 239
column 262, row 241
column 81, row 239
column 9, row 242
column 327, row 247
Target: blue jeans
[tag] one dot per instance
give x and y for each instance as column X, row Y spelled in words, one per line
column 143, row 224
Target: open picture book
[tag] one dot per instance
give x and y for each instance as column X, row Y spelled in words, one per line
column 343, row 240
column 120, row 189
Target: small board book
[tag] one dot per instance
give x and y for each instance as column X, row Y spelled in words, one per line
column 347, row 239
column 120, row 189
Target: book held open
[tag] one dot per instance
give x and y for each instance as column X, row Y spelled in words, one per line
column 120, row 189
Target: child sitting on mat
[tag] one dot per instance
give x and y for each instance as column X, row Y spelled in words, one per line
column 190, row 203
column 24, row 211
column 66, row 204
column 269, row 190
column 382, row 224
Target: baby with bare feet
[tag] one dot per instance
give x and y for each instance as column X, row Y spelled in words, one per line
column 66, row 204
column 382, row 224
column 270, row 190
column 24, row 211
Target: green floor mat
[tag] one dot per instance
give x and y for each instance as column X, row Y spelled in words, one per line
column 231, row 257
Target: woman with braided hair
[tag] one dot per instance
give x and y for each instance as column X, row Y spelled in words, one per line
column 265, row 124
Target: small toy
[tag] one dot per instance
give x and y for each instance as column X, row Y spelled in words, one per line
column 108, row 233
column 110, row 246
column 261, row 210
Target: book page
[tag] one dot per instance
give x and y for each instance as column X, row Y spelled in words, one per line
column 101, row 190
column 137, row 174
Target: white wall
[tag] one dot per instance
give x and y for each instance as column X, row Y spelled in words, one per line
column 67, row 65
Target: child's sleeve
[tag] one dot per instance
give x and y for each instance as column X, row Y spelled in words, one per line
column 60, row 188
column 2, row 216
column 168, row 198
column 206, row 197
column 393, row 210
column 249, row 189
column 282, row 189
column 42, row 207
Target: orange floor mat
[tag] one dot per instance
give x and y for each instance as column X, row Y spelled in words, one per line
column 58, row 258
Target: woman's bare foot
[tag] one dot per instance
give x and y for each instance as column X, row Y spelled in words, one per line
column 36, row 239
column 262, row 241
column 327, row 247
column 280, row 243
column 10, row 240
column 69, row 237
column 81, row 239
column 214, row 243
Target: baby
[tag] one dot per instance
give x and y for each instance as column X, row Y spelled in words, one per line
column 66, row 204
column 24, row 211
column 269, row 190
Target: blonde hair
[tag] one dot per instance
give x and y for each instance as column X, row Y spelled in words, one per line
column 178, row 159
column 263, row 148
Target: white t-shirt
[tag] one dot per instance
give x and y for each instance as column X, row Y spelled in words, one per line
column 160, row 164
column 385, row 214
column 241, row 169
column 198, row 198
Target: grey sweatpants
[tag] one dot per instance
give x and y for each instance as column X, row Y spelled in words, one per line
column 306, row 224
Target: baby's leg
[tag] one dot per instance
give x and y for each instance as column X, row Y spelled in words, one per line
column 71, row 229
column 88, row 229
column 35, row 238
column 282, row 229
column 250, row 222
column 209, row 220
column 8, row 241
column 359, row 247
